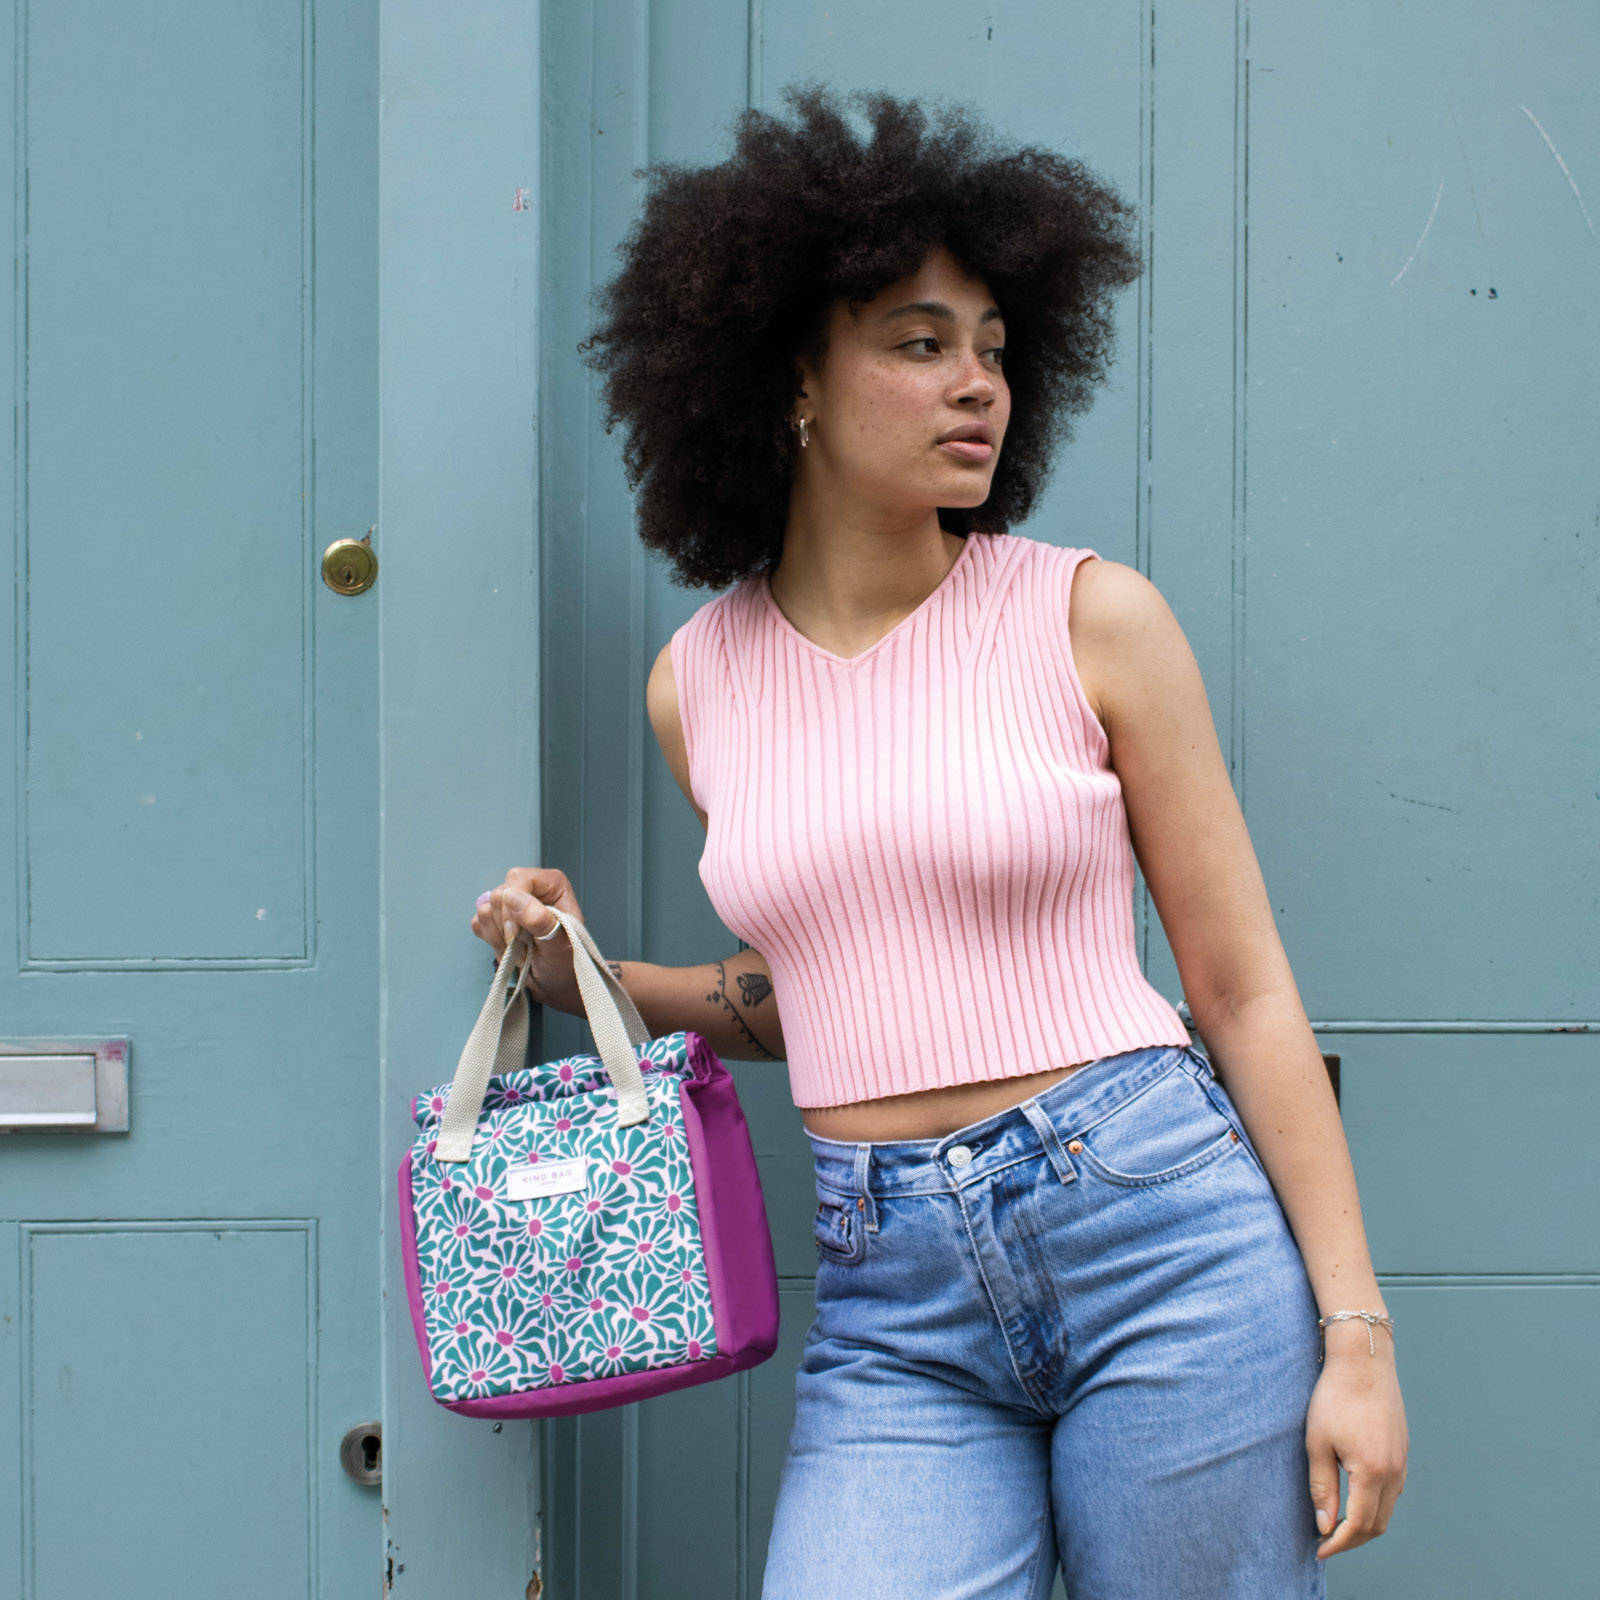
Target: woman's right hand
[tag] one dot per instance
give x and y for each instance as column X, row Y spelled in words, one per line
column 523, row 902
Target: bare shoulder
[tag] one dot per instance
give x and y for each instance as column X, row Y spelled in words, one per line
column 1126, row 643
column 1109, row 598
column 661, row 698
column 661, row 705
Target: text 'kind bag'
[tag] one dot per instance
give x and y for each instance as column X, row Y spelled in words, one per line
column 588, row 1232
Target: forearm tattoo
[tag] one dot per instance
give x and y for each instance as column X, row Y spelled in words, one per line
column 755, row 988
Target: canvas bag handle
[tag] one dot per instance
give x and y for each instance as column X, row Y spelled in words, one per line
column 499, row 1038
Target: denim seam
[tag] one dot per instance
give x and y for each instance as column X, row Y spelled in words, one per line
column 994, row 1306
column 1047, row 1536
column 843, row 1258
column 943, row 1184
column 828, row 1253
column 933, row 1151
column 1209, row 1156
column 1079, row 1129
column 865, row 1200
column 969, row 1178
column 1054, row 1150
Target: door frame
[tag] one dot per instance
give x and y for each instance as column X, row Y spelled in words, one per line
column 458, row 530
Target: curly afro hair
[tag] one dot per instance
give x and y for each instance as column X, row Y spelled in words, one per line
column 730, row 273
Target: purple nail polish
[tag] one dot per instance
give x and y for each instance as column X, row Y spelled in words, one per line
column 483, row 899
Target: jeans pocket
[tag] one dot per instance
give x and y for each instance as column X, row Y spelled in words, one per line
column 838, row 1228
column 1168, row 1130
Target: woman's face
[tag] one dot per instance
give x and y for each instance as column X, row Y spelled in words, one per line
column 910, row 406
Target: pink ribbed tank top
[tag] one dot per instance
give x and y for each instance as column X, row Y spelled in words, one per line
column 925, row 841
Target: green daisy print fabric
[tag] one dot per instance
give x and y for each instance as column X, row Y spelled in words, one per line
column 566, row 1248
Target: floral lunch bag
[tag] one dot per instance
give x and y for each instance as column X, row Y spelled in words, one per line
column 587, row 1232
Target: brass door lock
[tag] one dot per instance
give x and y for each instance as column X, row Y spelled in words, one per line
column 349, row 566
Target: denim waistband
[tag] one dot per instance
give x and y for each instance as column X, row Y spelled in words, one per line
column 1046, row 1121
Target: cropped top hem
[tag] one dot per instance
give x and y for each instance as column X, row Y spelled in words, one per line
column 995, row 1069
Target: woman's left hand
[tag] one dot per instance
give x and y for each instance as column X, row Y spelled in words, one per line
column 1356, row 1420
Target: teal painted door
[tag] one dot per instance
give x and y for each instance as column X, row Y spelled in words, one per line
column 1354, row 435
column 189, row 1310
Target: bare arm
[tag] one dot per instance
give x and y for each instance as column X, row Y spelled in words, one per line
column 743, row 1019
column 729, row 1002
column 1140, row 676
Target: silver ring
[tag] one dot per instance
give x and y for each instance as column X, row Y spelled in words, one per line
column 541, row 937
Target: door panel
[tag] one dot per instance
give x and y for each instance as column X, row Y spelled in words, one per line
column 162, row 433
column 191, row 846
column 1417, row 651
column 1475, row 1151
column 1424, row 406
column 220, row 1319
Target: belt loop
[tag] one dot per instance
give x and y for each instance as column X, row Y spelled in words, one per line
column 864, row 1185
column 1050, row 1139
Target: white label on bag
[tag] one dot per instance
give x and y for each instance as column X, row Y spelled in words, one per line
column 547, row 1177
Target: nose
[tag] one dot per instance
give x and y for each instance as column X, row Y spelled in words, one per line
column 975, row 385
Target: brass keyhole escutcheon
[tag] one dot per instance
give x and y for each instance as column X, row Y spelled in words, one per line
column 349, row 566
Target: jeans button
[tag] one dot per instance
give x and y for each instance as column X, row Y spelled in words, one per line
column 959, row 1156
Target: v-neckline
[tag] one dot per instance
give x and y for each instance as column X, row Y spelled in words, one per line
column 877, row 644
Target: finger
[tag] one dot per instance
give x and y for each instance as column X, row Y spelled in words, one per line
column 1324, row 1487
column 482, row 924
column 543, row 883
column 1386, row 1501
column 506, row 926
column 1361, row 1505
column 494, row 919
column 524, row 911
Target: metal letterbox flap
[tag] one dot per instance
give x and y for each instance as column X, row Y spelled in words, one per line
column 47, row 1091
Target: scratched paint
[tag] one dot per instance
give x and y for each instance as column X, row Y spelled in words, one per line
column 1566, row 172
column 1427, row 227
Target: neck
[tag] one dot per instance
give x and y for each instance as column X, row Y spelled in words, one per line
column 848, row 574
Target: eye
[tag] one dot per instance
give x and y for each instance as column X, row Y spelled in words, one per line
column 995, row 354
column 917, row 345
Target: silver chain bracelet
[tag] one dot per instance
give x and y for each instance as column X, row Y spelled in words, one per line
column 1371, row 1318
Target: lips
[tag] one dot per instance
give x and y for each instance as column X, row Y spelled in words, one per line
column 972, row 441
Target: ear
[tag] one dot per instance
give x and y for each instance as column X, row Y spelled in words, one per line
column 801, row 393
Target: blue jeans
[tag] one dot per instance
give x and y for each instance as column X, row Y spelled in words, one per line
column 1078, row 1330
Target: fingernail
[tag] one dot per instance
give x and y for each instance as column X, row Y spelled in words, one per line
column 511, row 930
column 1324, row 1521
column 483, row 899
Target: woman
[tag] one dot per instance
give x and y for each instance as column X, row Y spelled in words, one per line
column 1062, row 1312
